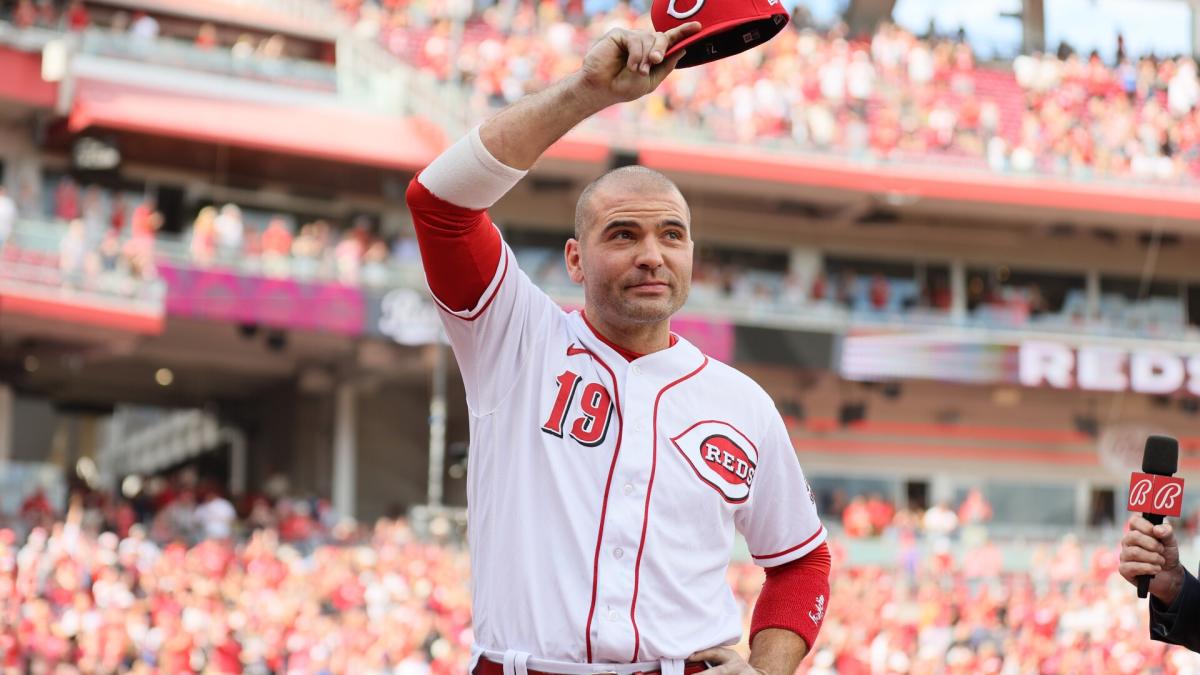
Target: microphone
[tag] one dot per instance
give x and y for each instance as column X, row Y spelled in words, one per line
column 1153, row 491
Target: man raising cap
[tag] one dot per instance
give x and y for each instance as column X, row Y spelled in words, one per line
column 611, row 461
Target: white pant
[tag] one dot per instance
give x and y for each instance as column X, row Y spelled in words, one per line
column 520, row 663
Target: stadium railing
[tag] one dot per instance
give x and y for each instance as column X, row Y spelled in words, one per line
column 707, row 300
column 185, row 54
column 30, row 262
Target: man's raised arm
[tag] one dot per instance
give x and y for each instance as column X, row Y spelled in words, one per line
column 622, row 66
column 460, row 248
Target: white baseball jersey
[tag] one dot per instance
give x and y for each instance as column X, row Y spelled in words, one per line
column 604, row 494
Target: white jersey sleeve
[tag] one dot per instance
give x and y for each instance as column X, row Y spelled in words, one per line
column 493, row 339
column 780, row 523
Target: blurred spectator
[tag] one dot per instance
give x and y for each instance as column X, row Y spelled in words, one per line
column 139, row 249
column 25, row 14
column 230, row 233
column 118, row 213
column 847, row 290
column 349, row 253
column 975, row 509
column 206, row 36
column 243, row 47
column 72, row 252
column 204, row 236
column 276, row 247
column 880, row 511
column 118, row 24
column 36, row 510
column 215, row 516
column 8, row 216
column 66, row 199
column 272, row 48
column 880, row 293
column 77, row 16
column 856, row 519
column 143, row 28
column 47, row 14
column 940, row 521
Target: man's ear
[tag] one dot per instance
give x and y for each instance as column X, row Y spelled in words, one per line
column 573, row 254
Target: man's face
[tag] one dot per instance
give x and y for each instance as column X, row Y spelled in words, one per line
column 634, row 255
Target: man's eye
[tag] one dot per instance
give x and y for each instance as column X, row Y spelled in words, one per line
column 673, row 234
column 623, row 234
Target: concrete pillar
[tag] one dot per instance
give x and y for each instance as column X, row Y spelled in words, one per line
column 1093, row 293
column 805, row 264
column 958, row 291
column 1033, row 26
column 1195, row 7
column 7, row 422
column 437, row 426
column 1083, row 503
column 345, row 450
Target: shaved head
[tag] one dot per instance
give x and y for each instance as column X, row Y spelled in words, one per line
column 632, row 180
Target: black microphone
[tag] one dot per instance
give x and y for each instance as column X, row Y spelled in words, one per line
column 1161, row 457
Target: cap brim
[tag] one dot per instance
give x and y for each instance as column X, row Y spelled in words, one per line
column 717, row 35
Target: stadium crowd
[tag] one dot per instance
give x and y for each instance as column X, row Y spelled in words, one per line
column 891, row 95
column 163, row 584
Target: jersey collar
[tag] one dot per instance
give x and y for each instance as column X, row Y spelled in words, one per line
column 627, row 354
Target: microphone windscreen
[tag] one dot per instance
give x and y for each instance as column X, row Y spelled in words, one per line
column 1161, row 456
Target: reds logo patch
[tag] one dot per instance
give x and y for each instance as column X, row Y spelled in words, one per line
column 721, row 456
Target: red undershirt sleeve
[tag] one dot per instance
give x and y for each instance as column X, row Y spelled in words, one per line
column 795, row 596
column 460, row 247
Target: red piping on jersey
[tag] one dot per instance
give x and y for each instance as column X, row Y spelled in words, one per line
column 572, row 350
column 495, row 291
column 794, row 548
column 637, row 569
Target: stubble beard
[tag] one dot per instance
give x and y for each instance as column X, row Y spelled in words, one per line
column 618, row 304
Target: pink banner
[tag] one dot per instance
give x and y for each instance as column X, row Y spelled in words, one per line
column 714, row 338
column 279, row 303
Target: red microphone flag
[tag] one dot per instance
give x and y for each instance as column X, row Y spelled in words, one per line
column 1151, row 493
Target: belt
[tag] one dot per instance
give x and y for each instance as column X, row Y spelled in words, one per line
column 489, row 667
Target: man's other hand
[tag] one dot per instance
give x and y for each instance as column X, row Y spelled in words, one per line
column 723, row 662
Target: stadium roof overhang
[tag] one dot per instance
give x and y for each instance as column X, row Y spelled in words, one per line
column 331, row 134
column 942, row 188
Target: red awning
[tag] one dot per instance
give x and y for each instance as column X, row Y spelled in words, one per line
column 21, row 79
column 336, row 134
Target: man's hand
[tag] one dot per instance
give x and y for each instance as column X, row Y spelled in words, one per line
column 1151, row 549
column 724, row 662
column 625, row 65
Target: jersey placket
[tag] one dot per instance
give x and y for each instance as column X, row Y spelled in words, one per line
column 613, row 627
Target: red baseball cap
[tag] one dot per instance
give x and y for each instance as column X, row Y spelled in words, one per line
column 728, row 27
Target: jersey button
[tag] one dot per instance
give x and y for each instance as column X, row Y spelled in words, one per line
column 629, row 488
column 612, row 615
column 618, row 553
column 637, row 370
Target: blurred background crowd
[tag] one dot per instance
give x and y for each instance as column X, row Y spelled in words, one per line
column 181, row 580
column 805, row 286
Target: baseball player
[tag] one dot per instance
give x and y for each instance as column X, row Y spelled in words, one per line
column 611, row 461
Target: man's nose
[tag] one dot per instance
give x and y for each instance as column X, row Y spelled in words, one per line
column 649, row 255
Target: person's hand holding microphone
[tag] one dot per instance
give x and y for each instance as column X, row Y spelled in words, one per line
column 1149, row 553
column 1148, row 549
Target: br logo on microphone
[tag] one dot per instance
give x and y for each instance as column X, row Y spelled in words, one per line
column 1151, row 493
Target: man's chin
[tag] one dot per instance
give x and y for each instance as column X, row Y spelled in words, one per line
column 649, row 310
